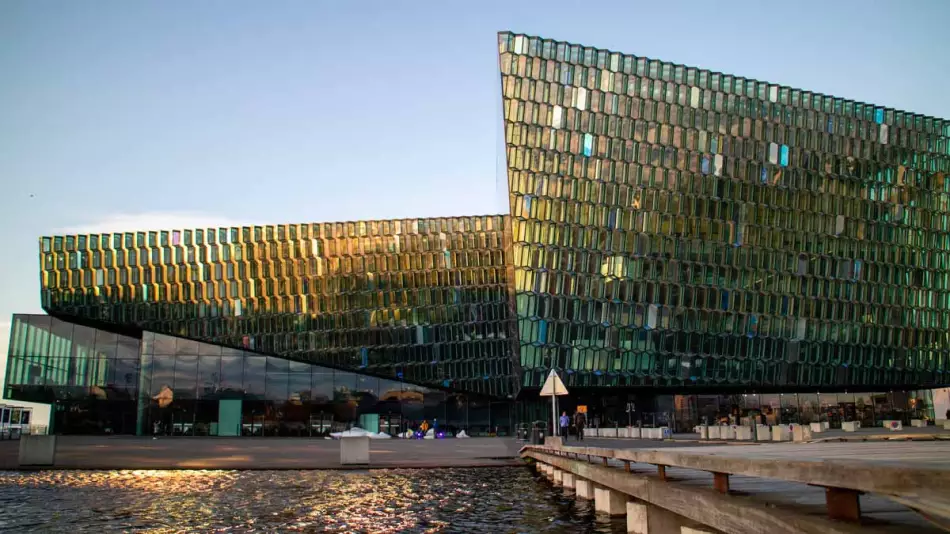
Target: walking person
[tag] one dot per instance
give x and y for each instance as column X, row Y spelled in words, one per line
column 579, row 423
column 565, row 424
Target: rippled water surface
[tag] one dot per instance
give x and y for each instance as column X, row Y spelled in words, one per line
column 445, row 500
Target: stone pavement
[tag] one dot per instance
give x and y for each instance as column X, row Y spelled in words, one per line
column 129, row 452
column 114, row 452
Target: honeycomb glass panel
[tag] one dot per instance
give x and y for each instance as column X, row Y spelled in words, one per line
column 394, row 299
column 796, row 227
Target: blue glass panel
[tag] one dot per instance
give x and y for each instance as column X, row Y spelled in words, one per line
column 879, row 116
column 753, row 325
column 543, row 331
column 783, row 156
column 588, row 144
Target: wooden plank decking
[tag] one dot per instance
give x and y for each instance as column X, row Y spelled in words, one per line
column 789, row 479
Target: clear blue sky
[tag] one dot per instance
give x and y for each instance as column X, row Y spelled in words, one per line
column 131, row 115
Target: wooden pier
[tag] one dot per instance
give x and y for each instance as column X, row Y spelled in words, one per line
column 775, row 488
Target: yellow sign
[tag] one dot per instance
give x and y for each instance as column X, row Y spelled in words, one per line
column 582, row 408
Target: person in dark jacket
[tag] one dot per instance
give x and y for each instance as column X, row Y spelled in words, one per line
column 580, row 421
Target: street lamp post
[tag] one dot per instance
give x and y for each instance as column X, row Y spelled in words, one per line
column 553, row 397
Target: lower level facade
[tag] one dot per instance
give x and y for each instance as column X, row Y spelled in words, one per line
column 102, row 382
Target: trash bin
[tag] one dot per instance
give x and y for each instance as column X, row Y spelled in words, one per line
column 537, row 433
column 524, row 433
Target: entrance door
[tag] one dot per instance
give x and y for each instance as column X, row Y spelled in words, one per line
column 390, row 423
column 229, row 417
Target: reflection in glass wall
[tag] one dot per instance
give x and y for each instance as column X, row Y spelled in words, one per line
column 104, row 383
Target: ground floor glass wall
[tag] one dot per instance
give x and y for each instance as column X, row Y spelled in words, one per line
column 608, row 409
column 103, row 383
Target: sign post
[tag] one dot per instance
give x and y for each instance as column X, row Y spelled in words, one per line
column 553, row 387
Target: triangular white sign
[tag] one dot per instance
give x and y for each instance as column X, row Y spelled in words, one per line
column 553, row 385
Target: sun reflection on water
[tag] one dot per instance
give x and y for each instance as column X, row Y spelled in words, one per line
column 446, row 500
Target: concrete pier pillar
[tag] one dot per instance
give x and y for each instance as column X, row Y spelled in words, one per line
column 637, row 518
column 695, row 530
column 584, row 489
column 610, row 502
column 547, row 470
column 644, row 518
column 558, row 476
column 567, row 480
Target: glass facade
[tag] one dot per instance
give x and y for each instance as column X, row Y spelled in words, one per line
column 674, row 227
column 104, row 383
column 683, row 412
column 421, row 300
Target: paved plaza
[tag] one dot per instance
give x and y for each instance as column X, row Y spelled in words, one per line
column 128, row 452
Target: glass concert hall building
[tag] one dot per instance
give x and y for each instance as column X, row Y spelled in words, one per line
column 680, row 244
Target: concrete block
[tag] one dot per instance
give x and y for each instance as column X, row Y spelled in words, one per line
column 918, row 423
column 714, row 432
column 590, row 432
column 567, row 480
column 744, row 433
column 817, row 428
column 703, row 434
column 584, row 488
column 37, row 450
column 946, row 424
column 608, row 432
column 850, row 426
column 354, row 450
column 781, row 433
column 557, row 476
column 610, row 502
column 634, row 432
column 825, row 426
column 892, row 425
column 666, row 433
column 637, row 518
column 553, row 441
column 763, row 433
column 727, row 432
column 801, row 433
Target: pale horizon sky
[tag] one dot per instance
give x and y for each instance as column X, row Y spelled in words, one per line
column 147, row 115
